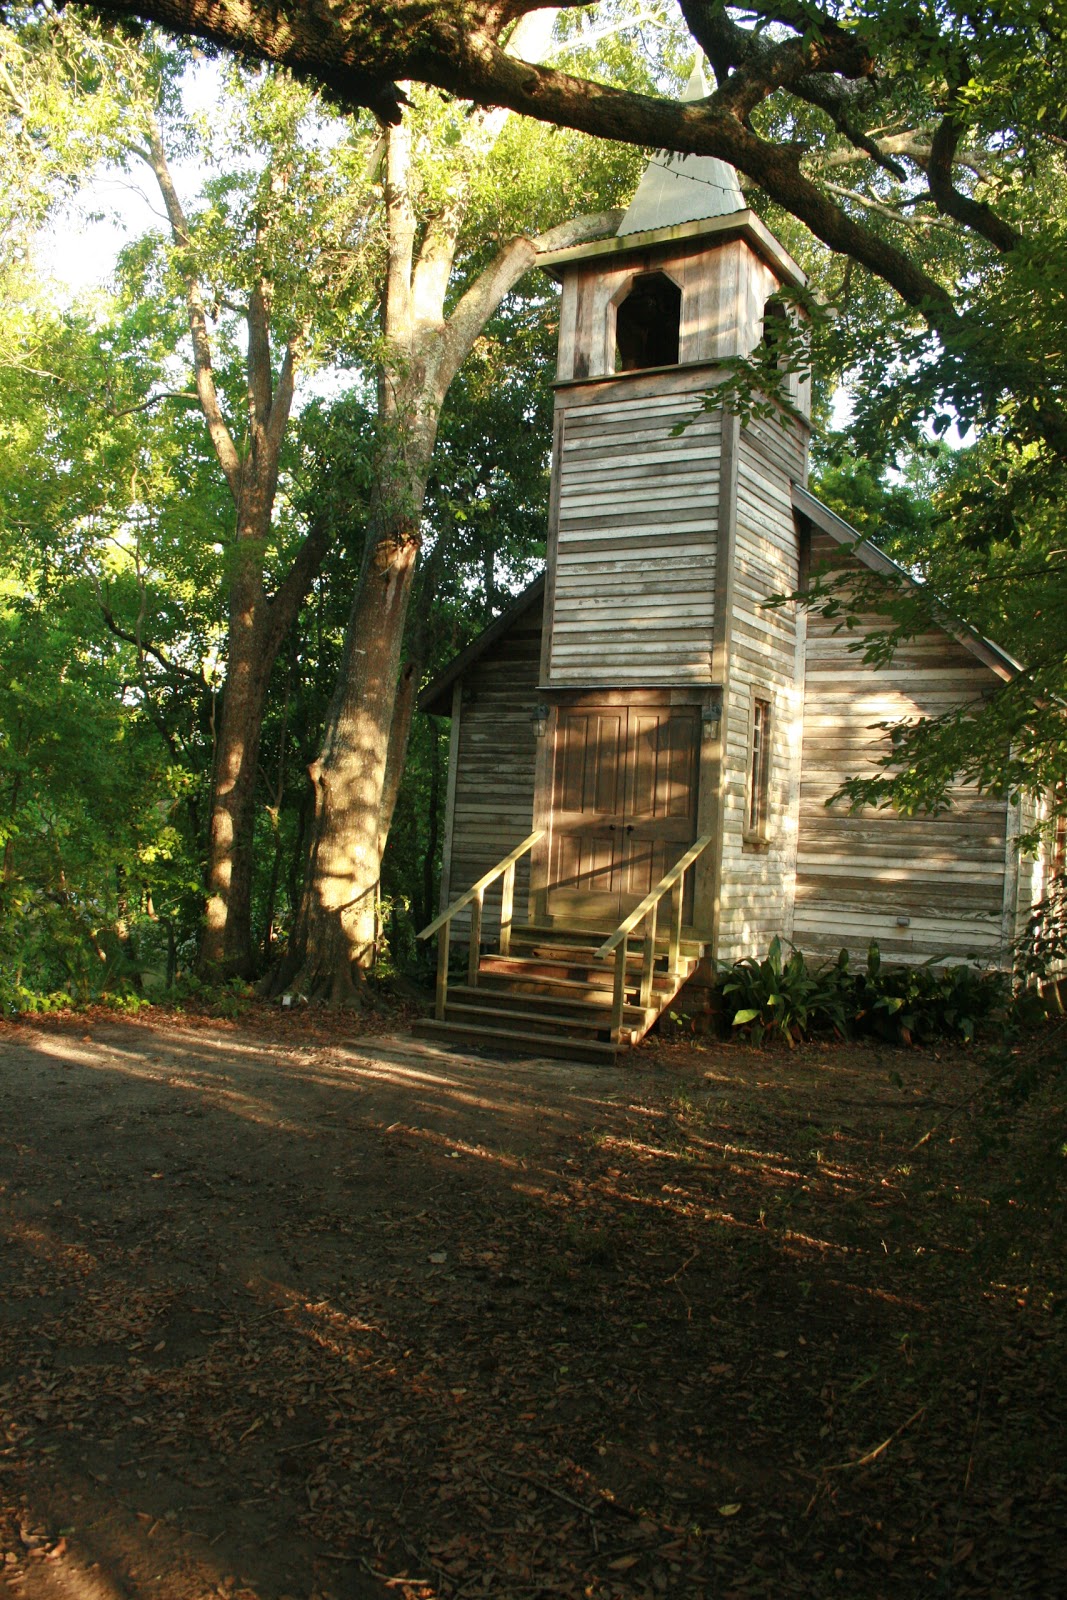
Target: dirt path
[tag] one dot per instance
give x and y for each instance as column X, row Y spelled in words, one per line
column 292, row 1319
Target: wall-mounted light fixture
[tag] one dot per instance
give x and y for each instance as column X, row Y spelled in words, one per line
column 711, row 721
column 540, row 721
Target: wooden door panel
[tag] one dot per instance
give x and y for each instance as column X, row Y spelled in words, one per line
column 646, row 731
column 624, row 806
column 587, row 813
column 661, row 808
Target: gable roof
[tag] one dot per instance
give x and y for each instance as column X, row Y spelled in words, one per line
column 436, row 697
column 843, row 533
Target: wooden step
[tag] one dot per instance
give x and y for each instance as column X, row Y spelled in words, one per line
column 588, row 1003
column 599, row 975
column 515, row 1042
column 552, row 1021
column 564, row 991
column 560, row 939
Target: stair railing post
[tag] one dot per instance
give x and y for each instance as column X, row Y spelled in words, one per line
column 648, row 956
column 677, row 896
column 507, row 902
column 441, row 988
column 618, row 992
column 475, row 952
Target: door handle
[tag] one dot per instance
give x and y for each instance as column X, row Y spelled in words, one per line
column 629, row 827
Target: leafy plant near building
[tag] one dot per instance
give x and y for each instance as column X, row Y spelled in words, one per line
column 913, row 1004
column 784, row 995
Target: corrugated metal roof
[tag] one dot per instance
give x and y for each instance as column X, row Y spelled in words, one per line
column 677, row 188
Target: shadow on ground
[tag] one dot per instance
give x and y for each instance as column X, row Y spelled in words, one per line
column 326, row 1320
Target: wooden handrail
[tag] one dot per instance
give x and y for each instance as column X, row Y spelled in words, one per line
column 654, row 896
column 673, row 883
column 483, row 883
column 474, row 897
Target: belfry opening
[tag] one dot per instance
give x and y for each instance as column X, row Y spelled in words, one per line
column 647, row 324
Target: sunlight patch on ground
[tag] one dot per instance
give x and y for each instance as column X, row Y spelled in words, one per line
column 71, row 1257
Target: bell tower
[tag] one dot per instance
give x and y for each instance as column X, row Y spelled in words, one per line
column 669, row 526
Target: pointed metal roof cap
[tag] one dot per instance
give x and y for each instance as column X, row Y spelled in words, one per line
column 677, row 188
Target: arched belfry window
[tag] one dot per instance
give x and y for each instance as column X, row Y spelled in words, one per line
column 647, row 323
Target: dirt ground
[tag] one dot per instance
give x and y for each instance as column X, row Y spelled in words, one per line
column 297, row 1314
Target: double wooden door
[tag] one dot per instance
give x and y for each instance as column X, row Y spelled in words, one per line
column 623, row 806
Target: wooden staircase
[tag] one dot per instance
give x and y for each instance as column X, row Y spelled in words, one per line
column 557, row 991
column 551, row 996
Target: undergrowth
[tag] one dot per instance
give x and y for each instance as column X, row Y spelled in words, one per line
column 787, row 997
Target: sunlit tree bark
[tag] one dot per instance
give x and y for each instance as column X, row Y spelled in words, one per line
column 257, row 622
column 356, row 773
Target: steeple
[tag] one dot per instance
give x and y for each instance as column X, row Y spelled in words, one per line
column 676, row 188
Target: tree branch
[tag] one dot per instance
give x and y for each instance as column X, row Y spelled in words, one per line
column 260, row 383
column 503, row 272
column 400, row 235
column 153, row 400
column 529, row 40
column 883, row 210
column 282, row 403
column 304, row 569
column 350, row 50
column 225, row 449
column 113, row 626
column 974, row 214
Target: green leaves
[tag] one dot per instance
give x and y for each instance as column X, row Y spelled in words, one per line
column 903, row 1004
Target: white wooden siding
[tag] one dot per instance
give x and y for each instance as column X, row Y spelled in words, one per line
column 858, row 874
column 634, row 582
column 757, row 879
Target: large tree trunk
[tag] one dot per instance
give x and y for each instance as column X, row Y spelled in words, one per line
column 226, row 944
column 257, row 629
column 356, row 777
column 335, row 930
column 257, row 625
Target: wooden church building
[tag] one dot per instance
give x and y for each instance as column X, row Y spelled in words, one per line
column 641, row 751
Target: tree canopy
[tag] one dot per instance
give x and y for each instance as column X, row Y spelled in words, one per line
column 946, row 109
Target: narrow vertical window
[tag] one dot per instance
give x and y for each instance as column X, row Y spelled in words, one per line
column 759, row 770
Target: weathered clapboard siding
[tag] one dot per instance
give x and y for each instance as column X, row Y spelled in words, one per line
column 756, row 876
column 859, row 876
column 633, row 587
column 783, row 441
column 492, row 808
column 724, row 290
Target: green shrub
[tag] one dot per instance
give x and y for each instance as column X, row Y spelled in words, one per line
column 916, row 1003
column 17, row 1000
column 786, row 997
column 905, row 1004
